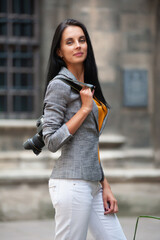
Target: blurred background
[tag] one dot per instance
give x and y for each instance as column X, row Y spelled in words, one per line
column 126, row 39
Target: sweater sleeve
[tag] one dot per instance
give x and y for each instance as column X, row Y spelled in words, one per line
column 55, row 131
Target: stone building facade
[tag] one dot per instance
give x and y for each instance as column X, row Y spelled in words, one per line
column 126, row 39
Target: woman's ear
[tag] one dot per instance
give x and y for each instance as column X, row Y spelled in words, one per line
column 59, row 53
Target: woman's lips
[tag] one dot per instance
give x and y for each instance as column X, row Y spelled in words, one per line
column 79, row 54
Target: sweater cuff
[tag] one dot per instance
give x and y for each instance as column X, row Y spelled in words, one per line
column 58, row 139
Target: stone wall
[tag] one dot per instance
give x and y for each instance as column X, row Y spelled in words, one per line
column 156, row 116
column 123, row 35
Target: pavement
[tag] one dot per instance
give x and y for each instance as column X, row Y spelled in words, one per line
column 148, row 229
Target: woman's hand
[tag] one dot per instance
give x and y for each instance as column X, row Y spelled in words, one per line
column 109, row 201
column 87, row 99
column 87, row 103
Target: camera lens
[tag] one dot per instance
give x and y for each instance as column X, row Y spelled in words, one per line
column 36, row 144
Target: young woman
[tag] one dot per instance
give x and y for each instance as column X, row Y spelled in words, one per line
column 73, row 121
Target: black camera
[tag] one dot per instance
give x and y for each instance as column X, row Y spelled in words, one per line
column 36, row 143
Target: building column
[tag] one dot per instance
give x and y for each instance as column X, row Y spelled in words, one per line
column 156, row 93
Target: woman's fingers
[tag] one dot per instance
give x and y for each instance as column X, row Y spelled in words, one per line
column 106, row 206
column 86, row 98
column 111, row 207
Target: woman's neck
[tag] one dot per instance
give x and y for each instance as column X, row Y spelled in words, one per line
column 78, row 72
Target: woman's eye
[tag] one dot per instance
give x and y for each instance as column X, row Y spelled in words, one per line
column 69, row 42
column 82, row 40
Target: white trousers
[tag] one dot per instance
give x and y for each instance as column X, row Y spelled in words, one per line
column 78, row 206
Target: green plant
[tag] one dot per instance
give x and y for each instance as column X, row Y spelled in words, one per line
column 157, row 218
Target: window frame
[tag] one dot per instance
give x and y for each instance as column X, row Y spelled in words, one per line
column 10, row 41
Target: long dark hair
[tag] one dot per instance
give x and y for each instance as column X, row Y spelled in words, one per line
column 55, row 63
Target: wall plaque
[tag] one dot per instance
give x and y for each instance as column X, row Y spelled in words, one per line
column 135, row 87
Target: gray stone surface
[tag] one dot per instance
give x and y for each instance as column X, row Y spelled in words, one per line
column 113, row 175
column 135, row 88
column 123, row 36
column 115, row 157
column 25, row 196
column 15, row 132
column 156, row 115
column 44, row 230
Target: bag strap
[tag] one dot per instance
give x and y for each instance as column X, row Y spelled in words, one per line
column 74, row 85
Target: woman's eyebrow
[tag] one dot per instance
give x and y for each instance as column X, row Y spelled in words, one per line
column 71, row 38
column 68, row 39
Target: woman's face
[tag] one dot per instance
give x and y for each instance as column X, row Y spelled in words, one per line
column 73, row 46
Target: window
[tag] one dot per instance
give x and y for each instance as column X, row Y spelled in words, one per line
column 19, row 58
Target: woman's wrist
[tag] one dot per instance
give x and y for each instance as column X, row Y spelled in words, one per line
column 75, row 122
column 86, row 110
column 105, row 184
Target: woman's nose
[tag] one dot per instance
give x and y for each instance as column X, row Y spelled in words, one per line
column 77, row 44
